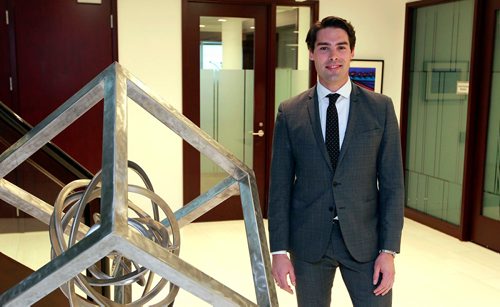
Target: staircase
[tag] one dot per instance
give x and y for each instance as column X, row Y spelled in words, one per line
column 43, row 175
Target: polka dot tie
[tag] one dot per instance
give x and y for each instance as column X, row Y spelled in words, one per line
column 332, row 141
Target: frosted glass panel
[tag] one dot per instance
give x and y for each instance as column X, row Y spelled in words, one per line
column 226, row 90
column 292, row 65
column 226, row 114
column 491, row 192
column 290, row 82
column 437, row 114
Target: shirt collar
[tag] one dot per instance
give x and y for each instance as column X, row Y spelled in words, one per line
column 344, row 91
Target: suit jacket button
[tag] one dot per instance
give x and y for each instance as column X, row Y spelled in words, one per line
column 335, row 183
column 330, row 209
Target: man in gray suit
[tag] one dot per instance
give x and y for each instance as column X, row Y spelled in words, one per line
column 337, row 204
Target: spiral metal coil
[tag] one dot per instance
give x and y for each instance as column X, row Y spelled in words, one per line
column 67, row 218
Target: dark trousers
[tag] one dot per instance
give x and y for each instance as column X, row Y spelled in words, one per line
column 314, row 281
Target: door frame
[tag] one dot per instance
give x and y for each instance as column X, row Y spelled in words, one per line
column 265, row 85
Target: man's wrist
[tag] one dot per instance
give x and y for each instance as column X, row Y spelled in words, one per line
column 282, row 252
column 387, row 251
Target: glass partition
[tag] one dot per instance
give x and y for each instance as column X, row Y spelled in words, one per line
column 437, row 109
column 292, row 55
column 491, row 190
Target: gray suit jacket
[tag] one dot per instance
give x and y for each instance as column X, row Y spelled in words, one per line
column 367, row 187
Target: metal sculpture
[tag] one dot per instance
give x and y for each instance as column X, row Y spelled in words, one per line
column 72, row 200
column 113, row 234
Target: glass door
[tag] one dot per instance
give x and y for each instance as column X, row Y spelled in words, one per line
column 437, row 112
column 226, row 96
column 491, row 189
column 239, row 62
column 227, row 90
column 486, row 225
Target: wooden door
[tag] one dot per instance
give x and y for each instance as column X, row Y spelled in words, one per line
column 49, row 50
column 57, row 47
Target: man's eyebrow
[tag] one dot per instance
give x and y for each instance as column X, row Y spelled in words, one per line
column 329, row 44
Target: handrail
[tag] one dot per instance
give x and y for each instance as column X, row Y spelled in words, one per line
column 18, row 124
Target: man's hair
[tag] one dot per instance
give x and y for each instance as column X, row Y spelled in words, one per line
column 331, row 22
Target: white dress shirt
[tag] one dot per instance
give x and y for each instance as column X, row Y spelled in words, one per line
column 342, row 105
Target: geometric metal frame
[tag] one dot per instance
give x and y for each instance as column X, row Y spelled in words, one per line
column 114, row 85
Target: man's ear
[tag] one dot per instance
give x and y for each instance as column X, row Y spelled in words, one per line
column 311, row 56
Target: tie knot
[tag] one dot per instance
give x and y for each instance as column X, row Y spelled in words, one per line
column 333, row 97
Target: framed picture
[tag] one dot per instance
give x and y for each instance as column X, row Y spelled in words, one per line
column 443, row 80
column 367, row 74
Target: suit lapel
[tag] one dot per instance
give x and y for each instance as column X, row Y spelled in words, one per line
column 313, row 109
column 352, row 121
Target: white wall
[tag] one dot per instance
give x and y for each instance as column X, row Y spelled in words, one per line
column 149, row 45
column 149, row 38
column 379, row 27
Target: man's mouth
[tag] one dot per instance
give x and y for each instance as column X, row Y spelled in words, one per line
column 333, row 67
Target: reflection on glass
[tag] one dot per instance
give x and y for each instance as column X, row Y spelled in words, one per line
column 292, row 65
column 491, row 190
column 226, row 90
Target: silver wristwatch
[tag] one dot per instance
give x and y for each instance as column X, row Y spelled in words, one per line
column 393, row 253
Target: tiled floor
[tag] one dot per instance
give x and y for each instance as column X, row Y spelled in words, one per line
column 433, row 270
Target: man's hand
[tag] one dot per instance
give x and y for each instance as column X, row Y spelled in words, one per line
column 281, row 268
column 384, row 264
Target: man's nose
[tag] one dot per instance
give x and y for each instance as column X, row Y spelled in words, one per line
column 333, row 55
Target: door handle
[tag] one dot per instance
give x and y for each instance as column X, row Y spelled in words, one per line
column 259, row 133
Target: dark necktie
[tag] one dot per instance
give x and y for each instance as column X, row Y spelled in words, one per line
column 332, row 141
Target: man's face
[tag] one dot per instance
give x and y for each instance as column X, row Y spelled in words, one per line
column 332, row 56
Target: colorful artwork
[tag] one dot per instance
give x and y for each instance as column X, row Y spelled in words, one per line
column 367, row 74
column 363, row 76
